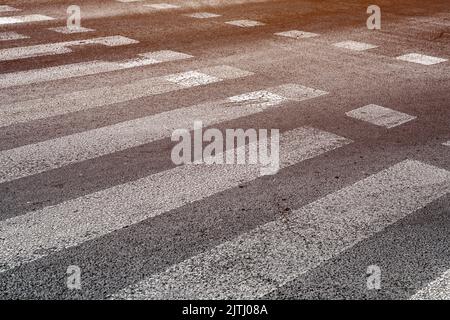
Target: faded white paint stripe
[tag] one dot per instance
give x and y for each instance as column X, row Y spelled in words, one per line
column 438, row 289
column 297, row 34
column 61, row 47
column 24, row 19
column 37, row 234
column 36, row 158
column 421, row 59
column 70, row 30
column 202, row 15
column 5, row 8
column 87, row 68
column 266, row 258
column 30, row 110
column 380, row 116
column 354, row 45
column 162, row 6
column 12, row 35
column 245, row 23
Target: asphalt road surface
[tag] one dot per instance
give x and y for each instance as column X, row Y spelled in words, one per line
column 92, row 205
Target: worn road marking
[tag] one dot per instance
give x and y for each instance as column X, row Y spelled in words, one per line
column 380, row 116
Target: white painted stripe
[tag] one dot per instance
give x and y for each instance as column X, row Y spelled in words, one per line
column 162, row 6
column 11, row 35
column 36, row 234
column 67, row 30
column 421, row 59
column 87, row 68
column 438, row 289
column 24, row 19
column 297, row 92
column 25, row 111
column 354, row 45
column 166, row 55
column 447, row 143
column 5, row 8
column 35, row 158
column 266, row 258
column 380, row 116
column 191, row 79
column 297, row 34
column 61, row 47
column 203, row 15
column 245, row 23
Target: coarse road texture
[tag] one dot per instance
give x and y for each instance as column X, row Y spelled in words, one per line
column 360, row 208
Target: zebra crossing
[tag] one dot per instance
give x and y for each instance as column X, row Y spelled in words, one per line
column 88, row 99
column 132, row 133
column 87, row 68
column 264, row 256
column 60, row 47
column 272, row 251
column 210, row 181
